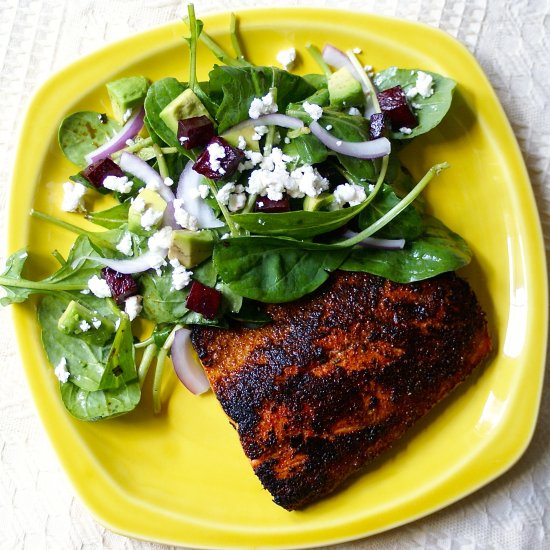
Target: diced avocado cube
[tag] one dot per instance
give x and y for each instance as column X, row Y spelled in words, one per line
column 191, row 248
column 321, row 202
column 344, row 90
column 127, row 93
column 186, row 105
column 78, row 320
column 233, row 136
column 146, row 211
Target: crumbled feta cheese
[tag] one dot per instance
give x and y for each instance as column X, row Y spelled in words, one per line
column 133, row 307
column 405, row 130
column 357, row 51
column 313, row 110
column 85, row 291
column 348, row 193
column 181, row 277
column 125, row 244
column 118, row 183
column 307, row 181
column 138, row 204
column 153, row 184
column 159, row 242
column 183, row 217
column 354, row 111
column 339, row 143
column 61, row 371
column 96, row 323
column 236, row 201
column 150, row 218
column 423, row 85
column 183, row 139
column 259, row 131
column 73, row 195
column 287, row 58
column 130, row 142
column 117, row 323
column 84, row 326
column 241, row 143
column 99, row 287
column 225, row 236
column 203, row 190
column 264, row 106
column 287, row 140
column 416, row 106
column 168, row 181
column 216, row 153
column 222, row 196
column 328, row 127
column 127, row 114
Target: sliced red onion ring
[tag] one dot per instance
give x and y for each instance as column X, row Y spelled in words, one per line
column 337, row 58
column 373, row 149
column 139, row 168
column 188, row 190
column 129, row 131
column 276, row 119
column 374, row 242
column 186, row 364
column 147, row 260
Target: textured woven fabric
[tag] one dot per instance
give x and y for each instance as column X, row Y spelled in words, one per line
column 38, row 508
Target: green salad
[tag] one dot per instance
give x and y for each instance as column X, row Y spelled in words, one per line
column 248, row 188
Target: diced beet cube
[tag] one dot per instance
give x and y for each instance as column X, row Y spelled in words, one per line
column 218, row 160
column 122, row 286
column 377, row 125
column 195, row 131
column 263, row 204
column 96, row 172
column 393, row 103
column 204, row 300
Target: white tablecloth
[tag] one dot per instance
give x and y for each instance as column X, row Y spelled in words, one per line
column 511, row 40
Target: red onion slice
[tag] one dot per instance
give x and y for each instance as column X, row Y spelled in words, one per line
column 129, row 131
column 186, row 364
column 373, row 149
column 188, row 190
column 148, row 260
column 374, row 242
column 337, row 58
column 139, row 168
column 277, row 119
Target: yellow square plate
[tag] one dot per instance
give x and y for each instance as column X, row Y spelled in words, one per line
column 181, row 477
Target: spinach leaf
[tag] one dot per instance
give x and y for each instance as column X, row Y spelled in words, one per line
column 234, row 88
column 430, row 110
column 300, row 224
column 14, row 267
column 159, row 95
column 96, row 405
column 407, row 225
column 436, row 251
column 112, row 218
column 82, row 132
column 273, row 270
column 307, row 149
column 206, row 273
column 161, row 303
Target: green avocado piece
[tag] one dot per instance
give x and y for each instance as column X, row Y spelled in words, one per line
column 232, row 138
column 186, row 105
column 191, row 248
column 344, row 90
column 78, row 320
column 149, row 205
column 127, row 93
column 321, row 202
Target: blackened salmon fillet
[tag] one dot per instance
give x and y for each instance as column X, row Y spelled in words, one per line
column 341, row 374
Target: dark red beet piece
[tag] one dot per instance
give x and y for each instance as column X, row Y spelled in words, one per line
column 96, row 172
column 393, row 103
column 195, row 131
column 215, row 166
column 263, row 204
column 122, row 286
column 377, row 125
column 204, row 300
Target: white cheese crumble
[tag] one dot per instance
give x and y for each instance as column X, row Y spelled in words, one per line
column 423, row 85
column 125, row 244
column 241, row 143
column 328, row 127
column 99, row 287
column 357, row 51
column 138, row 204
column 150, row 218
column 61, row 371
column 405, row 130
column 348, row 193
column 232, row 196
column 313, row 110
column 181, row 277
column 287, row 58
column 118, row 183
column 354, row 111
column 216, row 153
column 183, row 217
column 203, row 190
column 127, row 114
column 168, row 181
column 262, row 106
column 73, row 197
column 259, row 131
column 133, row 307
column 96, row 323
column 158, row 244
column 84, row 326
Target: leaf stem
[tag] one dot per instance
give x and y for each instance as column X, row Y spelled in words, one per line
column 318, row 58
column 163, row 167
column 38, row 285
column 146, row 360
column 235, row 38
column 60, row 223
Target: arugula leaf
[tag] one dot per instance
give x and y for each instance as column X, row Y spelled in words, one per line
column 82, row 132
column 96, row 405
column 111, row 218
column 234, row 88
column 436, row 251
column 431, row 110
column 307, row 148
column 161, row 303
column 273, row 270
column 14, row 267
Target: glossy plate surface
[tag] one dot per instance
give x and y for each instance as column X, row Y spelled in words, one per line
column 181, row 477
